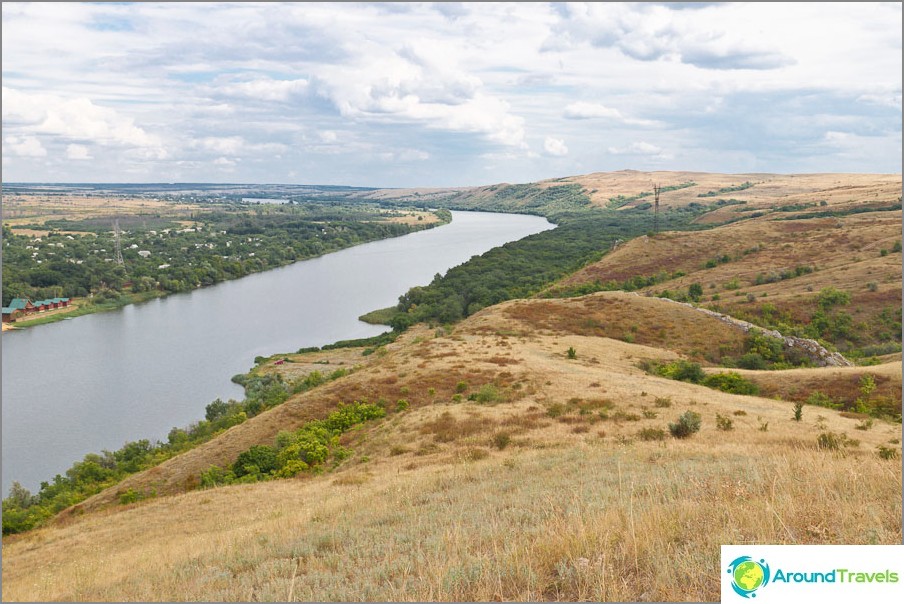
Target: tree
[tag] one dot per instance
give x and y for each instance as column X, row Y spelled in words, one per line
column 695, row 292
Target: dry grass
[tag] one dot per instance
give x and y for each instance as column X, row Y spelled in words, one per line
column 28, row 208
column 591, row 519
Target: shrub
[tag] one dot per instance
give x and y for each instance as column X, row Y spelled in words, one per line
column 401, row 404
column 501, row 440
column 572, row 353
column 258, row 460
column 724, row 423
column 688, row 423
column 752, row 360
column 833, row 441
column 461, row 387
column 730, row 382
column 488, row 393
column 685, row 371
column 798, row 411
column 662, row 402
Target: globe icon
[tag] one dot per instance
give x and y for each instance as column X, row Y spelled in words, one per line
column 748, row 575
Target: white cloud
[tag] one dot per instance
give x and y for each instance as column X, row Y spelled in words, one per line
column 584, row 111
column 266, row 89
column 555, row 147
column 75, row 119
column 637, row 148
column 300, row 86
column 78, row 152
column 25, row 146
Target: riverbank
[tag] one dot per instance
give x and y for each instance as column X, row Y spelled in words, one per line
column 85, row 306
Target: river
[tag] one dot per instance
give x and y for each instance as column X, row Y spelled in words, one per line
column 97, row 381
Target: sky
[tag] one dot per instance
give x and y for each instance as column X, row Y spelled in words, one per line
column 445, row 94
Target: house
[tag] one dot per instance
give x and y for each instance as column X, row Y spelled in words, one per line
column 11, row 314
column 22, row 304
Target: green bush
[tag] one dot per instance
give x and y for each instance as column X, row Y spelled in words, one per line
column 572, row 354
column 258, row 460
column 688, row 423
column 752, row 360
column 488, row 393
column 730, row 382
column 798, row 411
column 685, row 371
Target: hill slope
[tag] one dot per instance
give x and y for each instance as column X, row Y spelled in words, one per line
column 548, row 490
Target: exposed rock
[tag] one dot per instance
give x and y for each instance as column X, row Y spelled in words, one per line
column 813, row 349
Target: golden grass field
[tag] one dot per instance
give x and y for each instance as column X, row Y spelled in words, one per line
column 565, row 484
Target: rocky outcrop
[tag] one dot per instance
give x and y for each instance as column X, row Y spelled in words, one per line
column 811, row 348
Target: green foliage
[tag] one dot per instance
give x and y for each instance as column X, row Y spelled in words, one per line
column 488, row 393
column 305, row 450
column 798, row 411
column 695, row 292
column 402, row 404
column 258, row 460
column 685, row 371
column 730, row 382
column 230, row 241
column 521, row 268
column 572, row 354
column 724, row 190
column 896, row 248
column 829, row 297
column 688, row 423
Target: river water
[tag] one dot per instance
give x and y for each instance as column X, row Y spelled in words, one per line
column 97, row 381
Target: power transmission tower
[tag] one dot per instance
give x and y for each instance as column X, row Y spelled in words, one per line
column 656, row 189
column 117, row 236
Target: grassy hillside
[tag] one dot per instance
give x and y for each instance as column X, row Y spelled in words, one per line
column 563, row 483
column 527, row 451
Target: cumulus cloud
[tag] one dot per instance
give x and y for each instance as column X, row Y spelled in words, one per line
column 651, row 32
column 25, row 146
column 420, row 83
column 555, row 147
column 76, row 119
